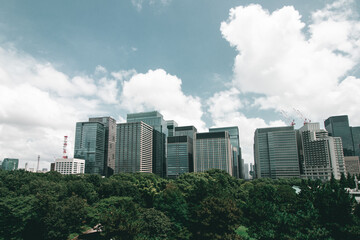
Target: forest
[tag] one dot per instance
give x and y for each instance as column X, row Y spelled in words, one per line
column 207, row 205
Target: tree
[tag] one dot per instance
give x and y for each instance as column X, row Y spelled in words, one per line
column 343, row 182
column 216, row 218
column 154, row 225
column 172, row 202
column 351, row 181
column 118, row 218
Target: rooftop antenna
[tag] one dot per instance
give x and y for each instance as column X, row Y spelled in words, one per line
column 64, row 147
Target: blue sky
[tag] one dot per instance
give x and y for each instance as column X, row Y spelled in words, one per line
column 197, row 62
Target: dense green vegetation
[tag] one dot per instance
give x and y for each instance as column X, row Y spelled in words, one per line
column 209, row 205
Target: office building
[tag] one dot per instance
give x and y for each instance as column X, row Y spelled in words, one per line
column 355, row 133
column 134, row 148
column 352, row 165
column 171, row 125
column 52, row 167
column 276, row 153
column 338, row 126
column 180, row 151
column 160, row 132
column 180, row 155
column 238, row 162
column 154, row 119
column 10, row 164
column 320, row 155
column 70, row 166
column 246, row 171
column 213, row 150
column 110, row 138
column 90, row 145
column 252, row 171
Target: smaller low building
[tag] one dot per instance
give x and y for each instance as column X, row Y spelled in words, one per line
column 352, row 165
column 70, row 165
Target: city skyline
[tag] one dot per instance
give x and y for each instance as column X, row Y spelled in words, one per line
column 202, row 63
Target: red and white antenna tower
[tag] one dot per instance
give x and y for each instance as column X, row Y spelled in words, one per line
column 64, row 147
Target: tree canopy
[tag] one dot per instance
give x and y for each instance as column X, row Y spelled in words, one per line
column 207, row 205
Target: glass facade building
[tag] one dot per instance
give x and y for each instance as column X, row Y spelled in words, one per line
column 180, row 155
column 355, row 133
column 180, row 151
column 276, row 153
column 90, row 145
column 235, row 142
column 213, row 150
column 338, row 126
column 171, row 125
column 110, row 138
column 10, row 164
column 134, row 149
column 160, row 132
column 154, row 119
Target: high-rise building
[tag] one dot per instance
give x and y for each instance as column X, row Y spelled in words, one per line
column 213, row 150
column 180, row 151
column 10, row 164
column 246, row 171
column 338, row 126
column 235, row 142
column 52, row 167
column 252, row 172
column 352, row 165
column 171, row 125
column 159, row 125
column 276, row 153
column 180, row 155
column 90, row 145
column 355, row 133
column 320, row 154
column 134, row 148
column 110, row 138
column 154, row 119
column 70, row 166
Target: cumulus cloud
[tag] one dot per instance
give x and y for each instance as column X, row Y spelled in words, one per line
column 138, row 4
column 100, row 70
column 158, row 90
column 40, row 105
column 292, row 69
column 225, row 110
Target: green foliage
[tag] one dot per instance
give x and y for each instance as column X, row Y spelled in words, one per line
column 118, row 218
column 206, row 205
column 154, row 224
column 216, row 218
column 242, row 231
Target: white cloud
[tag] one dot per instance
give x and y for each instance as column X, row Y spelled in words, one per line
column 223, row 103
column 225, row 110
column 100, row 70
column 108, row 91
column 123, row 75
column 40, row 105
column 158, row 90
column 138, row 4
column 276, row 59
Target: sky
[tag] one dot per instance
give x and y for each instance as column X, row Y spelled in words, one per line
column 207, row 63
